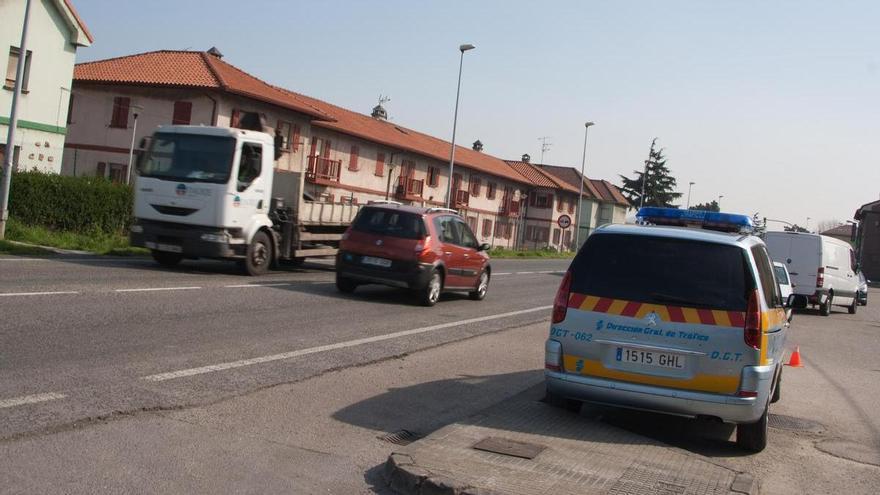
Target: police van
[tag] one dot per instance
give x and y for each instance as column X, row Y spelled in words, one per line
column 679, row 314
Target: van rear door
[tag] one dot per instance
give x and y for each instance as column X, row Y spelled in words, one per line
column 801, row 254
column 658, row 311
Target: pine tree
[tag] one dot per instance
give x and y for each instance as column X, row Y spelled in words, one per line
column 711, row 206
column 659, row 188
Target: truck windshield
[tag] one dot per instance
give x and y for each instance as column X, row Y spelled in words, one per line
column 660, row 270
column 188, row 158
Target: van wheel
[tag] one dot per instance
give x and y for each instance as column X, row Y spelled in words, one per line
column 259, row 255
column 852, row 307
column 777, row 391
column 561, row 402
column 825, row 308
column 482, row 288
column 345, row 285
column 753, row 436
column 166, row 259
column 430, row 294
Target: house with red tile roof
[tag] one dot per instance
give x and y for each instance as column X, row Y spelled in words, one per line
column 55, row 32
column 602, row 202
column 334, row 154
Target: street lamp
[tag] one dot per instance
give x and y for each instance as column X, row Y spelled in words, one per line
column 577, row 217
column 690, row 185
column 719, row 202
column 462, row 49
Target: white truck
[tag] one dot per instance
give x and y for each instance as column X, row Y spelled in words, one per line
column 212, row 192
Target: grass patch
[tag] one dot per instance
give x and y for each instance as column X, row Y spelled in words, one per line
column 7, row 247
column 502, row 253
column 96, row 242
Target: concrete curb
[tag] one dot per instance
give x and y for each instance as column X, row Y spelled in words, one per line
column 403, row 476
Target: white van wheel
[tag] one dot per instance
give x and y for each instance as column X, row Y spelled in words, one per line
column 825, row 308
column 852, row 307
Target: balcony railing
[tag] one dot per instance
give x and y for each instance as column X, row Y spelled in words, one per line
column 462, row 198
column 408, row 188
column 323, row 170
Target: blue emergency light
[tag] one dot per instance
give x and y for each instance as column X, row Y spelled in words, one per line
column 711, row 220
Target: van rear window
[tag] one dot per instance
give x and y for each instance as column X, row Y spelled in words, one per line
column 660, row 270
column 390, row 223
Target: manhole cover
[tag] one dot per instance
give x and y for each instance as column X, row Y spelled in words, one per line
column 791, row 423
column 509, row 447
column 400, row 437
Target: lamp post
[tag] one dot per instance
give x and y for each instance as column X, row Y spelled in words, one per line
column 690, row 185
column 462, row 49
column 577, row 217
column 719, row 201
column 9, row 153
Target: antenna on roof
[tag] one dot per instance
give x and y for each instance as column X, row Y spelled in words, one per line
column 545, row 146
column 379, row 111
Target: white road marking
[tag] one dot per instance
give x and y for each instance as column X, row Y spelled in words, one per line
column 524, row 273
column 49, row 293
column 503, row 273
column 240, row 286
column 154, row 289
column 29, row 399
column 330, row 347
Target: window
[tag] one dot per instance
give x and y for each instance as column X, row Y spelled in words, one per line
column 120, row 112
column 297, row 133
column 467, row 238
column 446, row 231
column 490, row 191
column 487, row 227
column 472, row 223
column 101, row 170
column 12, row 69
column 188, row 157
column 556, row 234
column 390, row 223
column 182, row 113
column 380, row 164
column 571, row 206
column 566, row 239
column 560, row 205
column 769, row 285
column 353, row 157
column 250, row 165
column 119, row 173
column 781, row 274
column 541, row 200
column 476, row 185
column 284, row 129
column 15, row 154
column 433, row 176
column 666, row 271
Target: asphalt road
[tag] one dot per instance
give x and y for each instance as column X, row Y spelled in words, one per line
column 85, row 338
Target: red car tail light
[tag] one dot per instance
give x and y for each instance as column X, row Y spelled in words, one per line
column 560, row 304
column 752, row 329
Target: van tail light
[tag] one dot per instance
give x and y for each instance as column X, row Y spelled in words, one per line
column 553, row 355
column 820, row 277
column 752, row 330
column 560, row 304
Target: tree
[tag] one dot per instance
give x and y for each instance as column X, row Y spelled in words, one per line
column 795, row 228
column 659, row 186
column 713, row 206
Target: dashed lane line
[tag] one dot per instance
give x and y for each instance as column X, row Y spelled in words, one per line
column 156, row 289
column 242, row 286
column 47, row 293
column 29, row 399
column 171, row 375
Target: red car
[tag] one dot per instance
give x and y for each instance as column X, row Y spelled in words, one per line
column 427, row 250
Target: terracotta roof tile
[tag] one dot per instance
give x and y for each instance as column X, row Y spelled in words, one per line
column 540, row 177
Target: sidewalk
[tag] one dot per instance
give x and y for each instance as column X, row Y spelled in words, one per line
column 579, row 456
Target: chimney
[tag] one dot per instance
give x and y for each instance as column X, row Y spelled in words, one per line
column 215, row 52
column 379, row 112
column 478, row 146
column 526, row 158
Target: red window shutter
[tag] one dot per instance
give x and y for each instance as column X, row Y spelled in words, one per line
column 101, row 170
column 475, row 186
column 487, row 227
column 353, row 158
column 182, row 113
column 296, row 136
column 314, row 151
column 571, row 206
column 325, row 150
column 120, row 112
column 380, row 164
column 235, row 119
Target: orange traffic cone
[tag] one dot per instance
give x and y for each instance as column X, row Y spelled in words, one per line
column 795, row 361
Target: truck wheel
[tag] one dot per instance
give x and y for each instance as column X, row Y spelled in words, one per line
column 166, row 259
column 482, row 288
column 259, row 255
column 345, row 285
column 753, row 436
column 825, row 308
column 430, row 294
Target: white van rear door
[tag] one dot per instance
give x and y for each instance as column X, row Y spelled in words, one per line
column 803, row 262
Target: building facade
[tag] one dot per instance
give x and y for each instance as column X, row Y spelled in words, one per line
column 55, row 31
column 868, row 240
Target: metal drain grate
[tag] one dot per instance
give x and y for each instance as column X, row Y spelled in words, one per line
column 400, row 437
column 791, row 423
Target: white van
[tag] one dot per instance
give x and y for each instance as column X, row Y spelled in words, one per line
column 822, row 268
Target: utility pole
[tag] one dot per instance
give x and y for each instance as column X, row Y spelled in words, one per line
column 9, row 154
column 645, row 174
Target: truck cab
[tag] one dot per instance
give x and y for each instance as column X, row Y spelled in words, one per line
column 206, row 192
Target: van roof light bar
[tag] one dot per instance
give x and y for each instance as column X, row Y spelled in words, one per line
column 709, row 220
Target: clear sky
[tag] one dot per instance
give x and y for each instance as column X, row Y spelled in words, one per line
column 774, row 105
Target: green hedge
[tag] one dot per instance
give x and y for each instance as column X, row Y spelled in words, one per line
column 76, row 204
